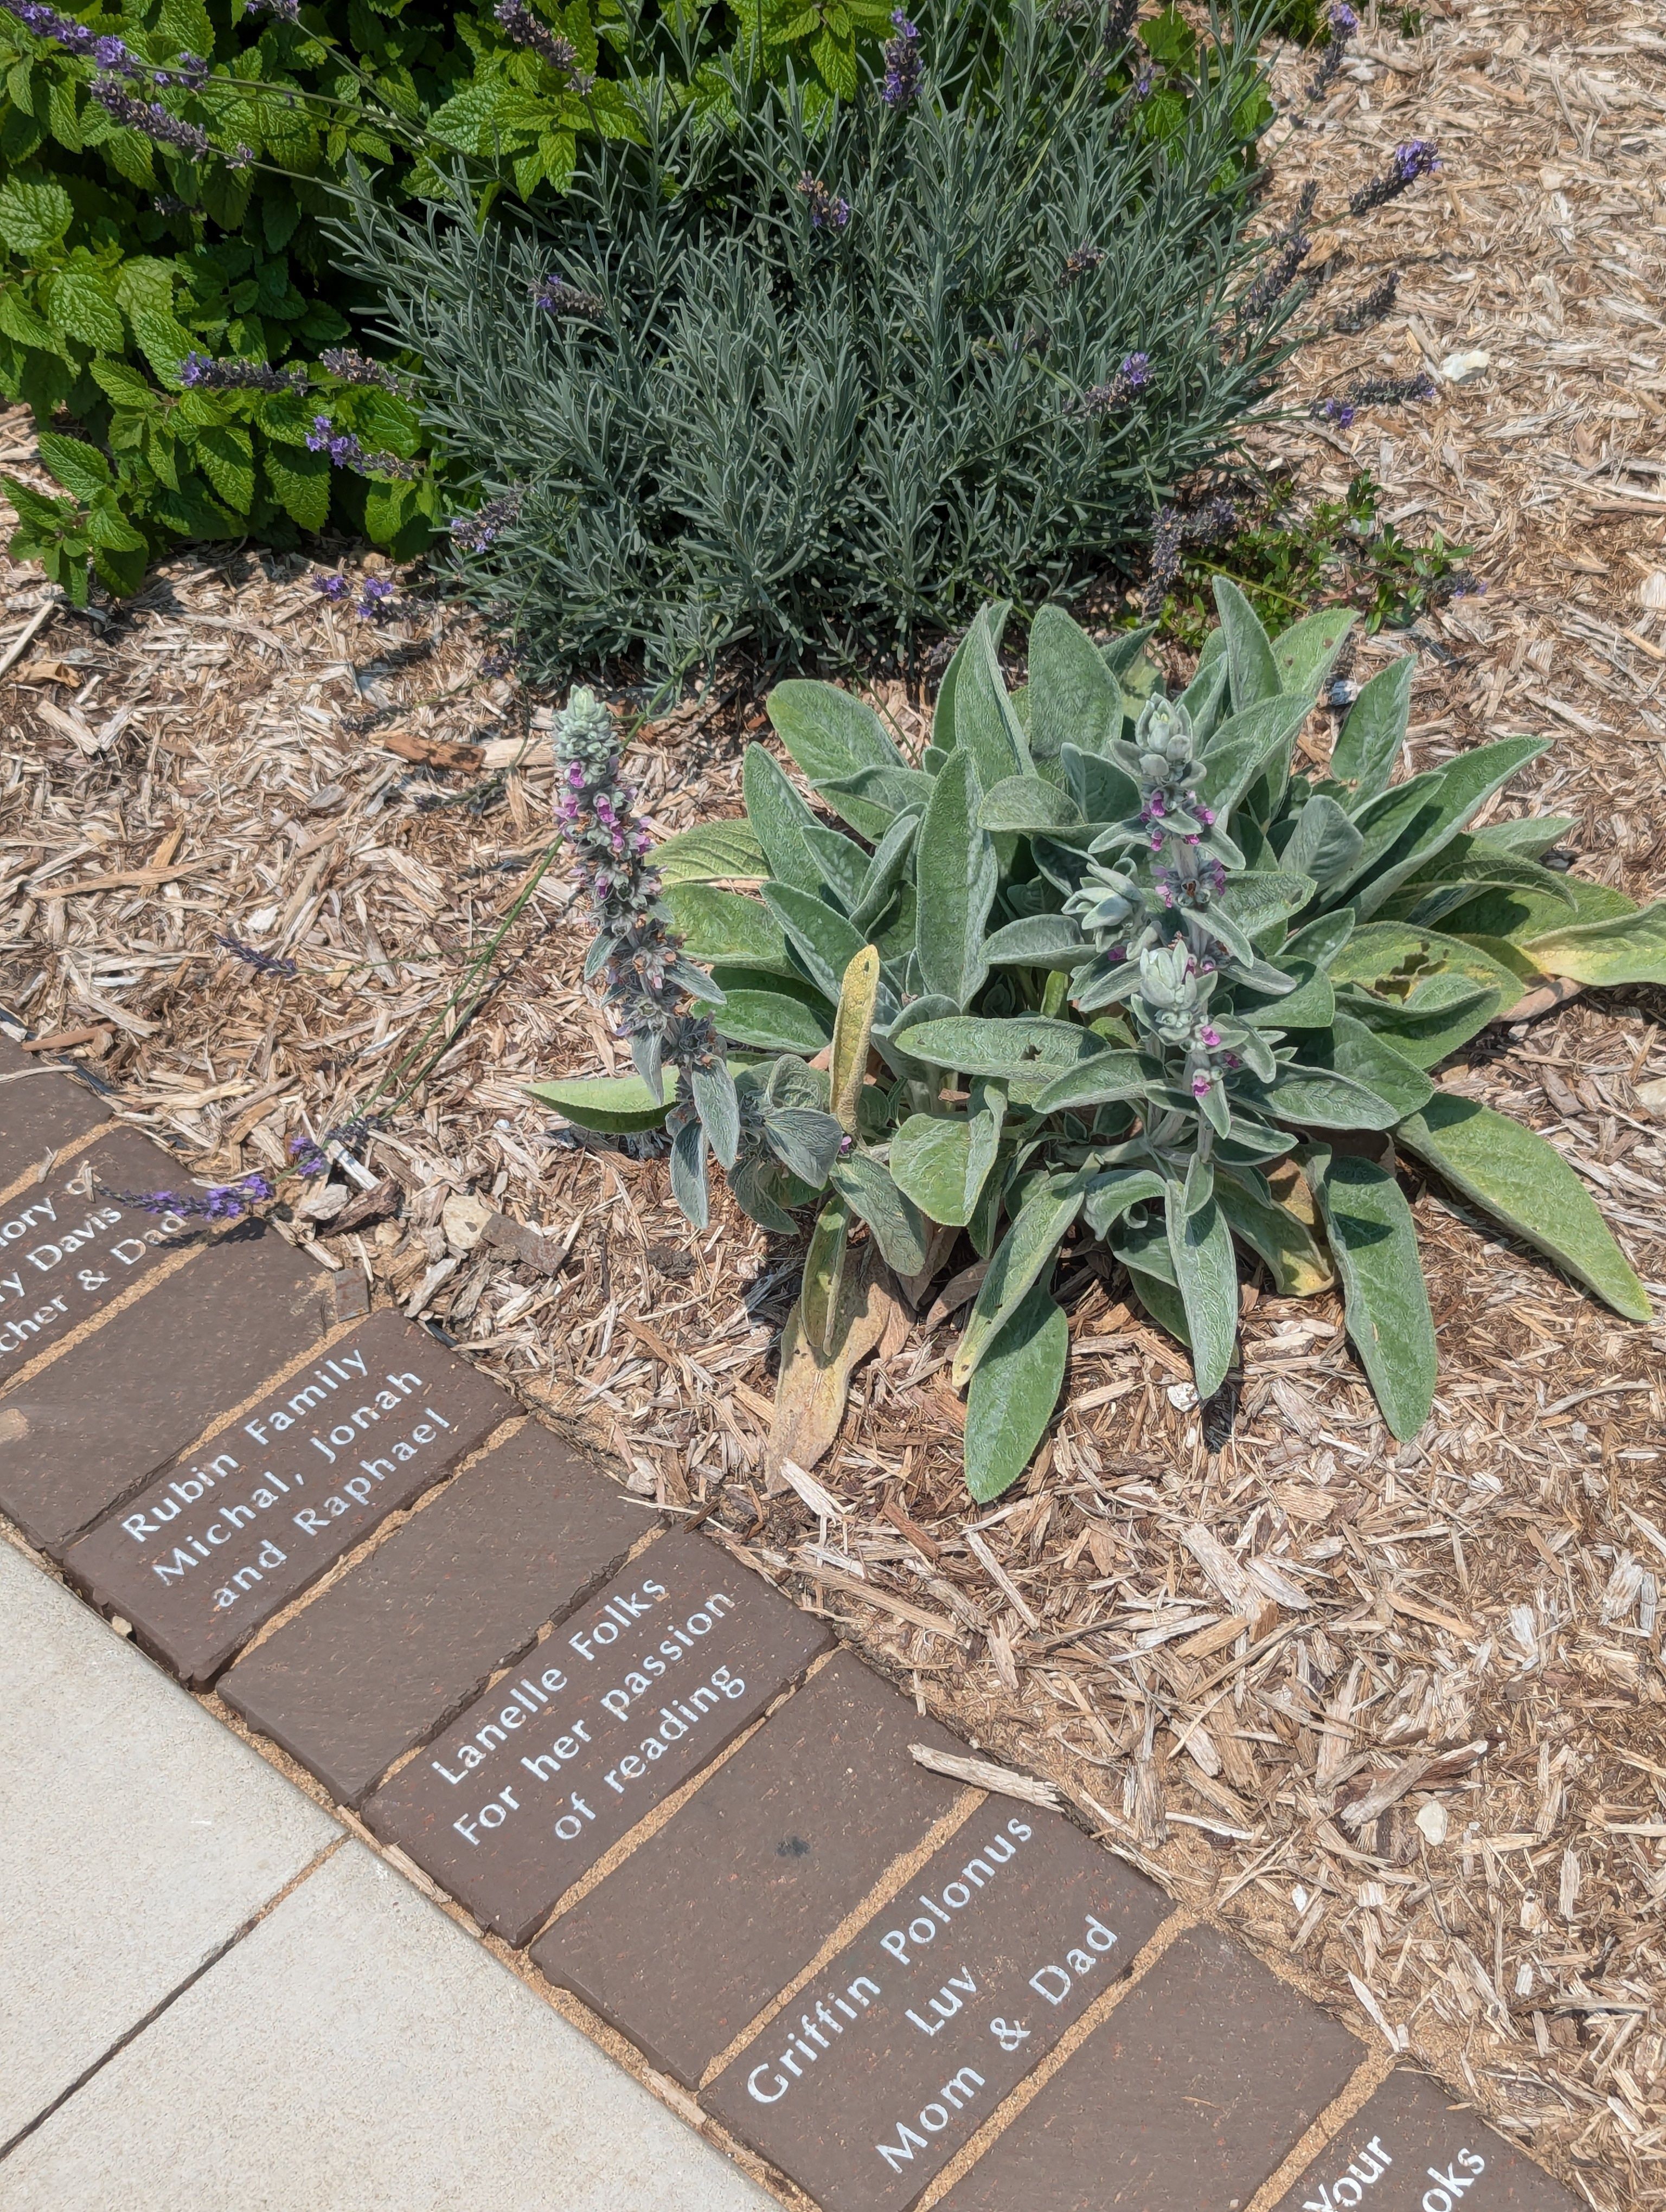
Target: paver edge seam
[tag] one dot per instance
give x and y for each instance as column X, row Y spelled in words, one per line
column 1023, row 2093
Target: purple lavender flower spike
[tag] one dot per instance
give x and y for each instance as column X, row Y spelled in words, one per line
column 264, row 963
column 307, row 1157
column 200, row 372
column 151, row 120
column 905, row 64
column 473, row 533
column 1133, row 376
column 1374, row 392
column 526, row 30
column 828, row 211
column 557, row 297
column 221, row 1202
column 346, row 453
column 351, row 366
column 1415, row 158
column 376, row 600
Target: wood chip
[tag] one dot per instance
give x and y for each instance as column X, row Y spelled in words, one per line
column 983, row 1774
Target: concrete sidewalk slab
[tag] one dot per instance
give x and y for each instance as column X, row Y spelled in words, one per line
column 358, row 2049
column 138, row 1834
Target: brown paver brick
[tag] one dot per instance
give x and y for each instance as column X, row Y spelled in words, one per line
column 1412, row 2149
column 226, row 1536
column 41, row 1109
column 85, row 1432
column 887, row 2062
column 686, row 1943
column 385, row 1657
column 66, row 1251
column 1192, row 2093
column 542, row 1774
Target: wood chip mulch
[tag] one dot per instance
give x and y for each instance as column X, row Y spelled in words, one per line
column 1396, row 1714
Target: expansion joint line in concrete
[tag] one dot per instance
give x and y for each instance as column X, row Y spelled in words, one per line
column 163, row 2004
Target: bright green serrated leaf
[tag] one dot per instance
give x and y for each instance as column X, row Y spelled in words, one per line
column 80, row 468
column 36, row 212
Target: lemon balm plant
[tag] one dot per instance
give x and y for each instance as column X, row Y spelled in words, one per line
column 1099, row 963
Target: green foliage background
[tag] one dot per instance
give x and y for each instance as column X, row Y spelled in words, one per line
column 824, row 378
column 118, row 256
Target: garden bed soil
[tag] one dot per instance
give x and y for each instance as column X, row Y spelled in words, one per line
column 1420, row 1757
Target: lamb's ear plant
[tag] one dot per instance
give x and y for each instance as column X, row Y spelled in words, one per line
column 1103, row 964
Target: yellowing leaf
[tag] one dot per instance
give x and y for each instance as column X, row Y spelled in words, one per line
column 853, row 1025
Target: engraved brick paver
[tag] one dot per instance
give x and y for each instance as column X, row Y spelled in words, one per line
column 41, row 1111
column 90, row 1428
column 66, row 1251
column 1412, row 2149
column 685, row 1944
column 385, row 1657
column 888, row 2061
column 541, row 1775
column 1185, row 2099
column 226, row 1536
